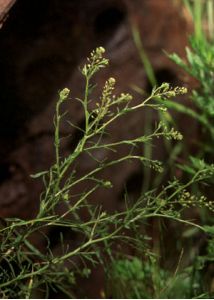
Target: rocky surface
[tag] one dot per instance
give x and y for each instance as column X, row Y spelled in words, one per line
column 5, row 6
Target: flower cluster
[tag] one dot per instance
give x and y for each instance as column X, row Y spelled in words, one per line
column 95, row 62
column 153, row 164
column 169, row 134
column 187, row 200
column 63, row 95
column 172, row 134
column 107, row 98
column 168, row 92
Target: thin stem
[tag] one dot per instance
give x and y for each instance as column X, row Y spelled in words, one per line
column 85, row 104
column 57, row 137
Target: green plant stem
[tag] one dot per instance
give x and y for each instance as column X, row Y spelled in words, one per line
column 57, row 138
column 198, row 19
column 85, row 105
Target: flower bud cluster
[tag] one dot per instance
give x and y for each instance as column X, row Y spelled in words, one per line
column 173, row 134
column 170, row 134
column 187, row 200
column 63, row 95
column 108, row 99
column 95, row 62
column 155, row 165
column 168, row 92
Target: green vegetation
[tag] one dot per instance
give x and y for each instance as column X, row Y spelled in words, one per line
column 140, row 271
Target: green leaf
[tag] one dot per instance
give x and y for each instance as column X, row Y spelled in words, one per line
column 37, row 175
column 209, row 229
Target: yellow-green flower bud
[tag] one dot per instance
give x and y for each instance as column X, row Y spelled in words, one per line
column 64, row 94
